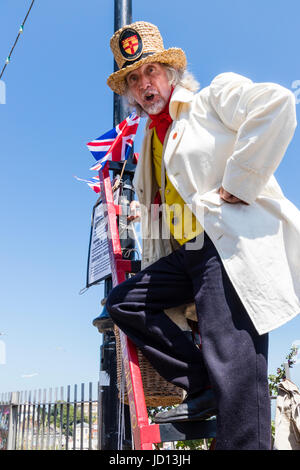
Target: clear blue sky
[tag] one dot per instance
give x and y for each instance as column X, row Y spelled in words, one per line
column 57, row 100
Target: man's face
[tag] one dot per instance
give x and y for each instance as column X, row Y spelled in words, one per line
column 150, row 87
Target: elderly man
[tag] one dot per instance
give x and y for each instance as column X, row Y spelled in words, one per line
column 233, row 248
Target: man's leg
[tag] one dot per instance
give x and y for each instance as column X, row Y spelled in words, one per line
column 234, row 354
column 136, row 306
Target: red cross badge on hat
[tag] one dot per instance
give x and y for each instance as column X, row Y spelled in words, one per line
column 130, row 43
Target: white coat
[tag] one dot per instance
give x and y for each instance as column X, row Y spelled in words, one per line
column 234, row 134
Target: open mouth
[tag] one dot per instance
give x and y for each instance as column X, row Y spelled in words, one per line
column 149, row 97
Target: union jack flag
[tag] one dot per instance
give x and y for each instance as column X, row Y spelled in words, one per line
column 115, row 144
column 93, row 183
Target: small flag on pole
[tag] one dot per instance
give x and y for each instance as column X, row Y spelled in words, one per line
column 115, row 144
column 93, row 183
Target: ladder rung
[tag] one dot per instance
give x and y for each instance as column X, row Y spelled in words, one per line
column 128, row 266
column 188, row 430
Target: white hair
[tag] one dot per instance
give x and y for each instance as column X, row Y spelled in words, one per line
column 176, row 77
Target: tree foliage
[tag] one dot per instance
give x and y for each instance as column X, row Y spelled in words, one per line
column 62, row 416
column 275, row 379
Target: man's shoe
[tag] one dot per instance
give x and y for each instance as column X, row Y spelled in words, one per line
column 193, row 408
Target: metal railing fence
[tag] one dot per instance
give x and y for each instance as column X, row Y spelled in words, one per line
column 61, row 418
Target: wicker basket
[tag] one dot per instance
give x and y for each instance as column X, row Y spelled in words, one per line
column 158, row 392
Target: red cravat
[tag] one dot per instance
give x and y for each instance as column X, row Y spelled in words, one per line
column 161, row 121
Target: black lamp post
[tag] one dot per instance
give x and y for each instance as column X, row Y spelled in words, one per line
column 109, row 402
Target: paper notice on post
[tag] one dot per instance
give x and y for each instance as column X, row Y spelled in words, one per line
column 98, row 260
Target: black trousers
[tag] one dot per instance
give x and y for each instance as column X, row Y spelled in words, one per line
column 233, row 357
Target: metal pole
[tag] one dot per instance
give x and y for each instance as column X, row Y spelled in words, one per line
column 109, row 396
column 123, row 16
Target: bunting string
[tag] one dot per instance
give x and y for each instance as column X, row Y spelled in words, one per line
column 17, row 38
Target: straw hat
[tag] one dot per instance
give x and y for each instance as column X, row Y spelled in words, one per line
column 137, row 44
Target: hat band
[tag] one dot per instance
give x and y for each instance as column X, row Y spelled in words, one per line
column 129, row 62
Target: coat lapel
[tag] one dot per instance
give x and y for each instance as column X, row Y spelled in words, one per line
column 144, row 169
column 175, row 136
column 181, row 97
column 144, row 181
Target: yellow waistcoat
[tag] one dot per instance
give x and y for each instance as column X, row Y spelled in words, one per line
column 183, row 224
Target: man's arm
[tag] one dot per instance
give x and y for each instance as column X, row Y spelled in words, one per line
column 135, row 211
column 230, row 197
column 264, row 117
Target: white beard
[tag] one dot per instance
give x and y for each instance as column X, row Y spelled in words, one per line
column 155, row 108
